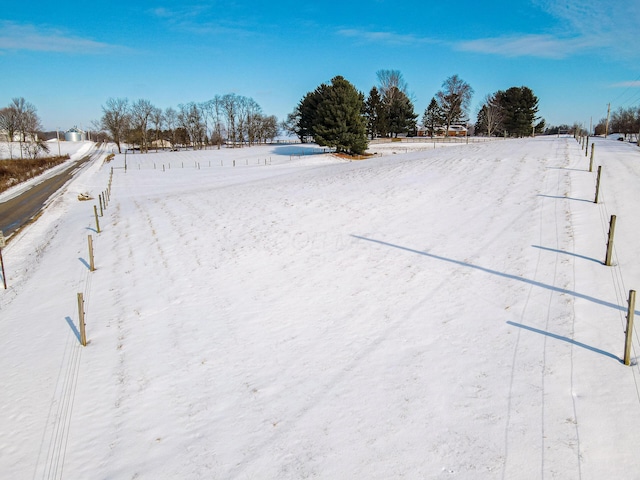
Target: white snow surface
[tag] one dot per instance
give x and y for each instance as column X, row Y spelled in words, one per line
column 443, row 313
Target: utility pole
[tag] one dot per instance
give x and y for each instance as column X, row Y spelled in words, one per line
column 606, row 128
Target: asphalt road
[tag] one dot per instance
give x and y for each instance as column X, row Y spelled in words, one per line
column 19, row 211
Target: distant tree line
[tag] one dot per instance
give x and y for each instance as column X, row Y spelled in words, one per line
column 225, row 119
column 19, row 122
column 339, row 116
column 625, row 121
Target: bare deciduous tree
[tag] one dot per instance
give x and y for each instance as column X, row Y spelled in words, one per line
column 454, row 100
column 171, row 122
column 392, row 84
column 230, row 107
column 254, row 119
column 27, row 124
column 157, row 119
column 491, row 115
column 141, row 112
column 191, row 119
column 9, row 126
column 115, row 119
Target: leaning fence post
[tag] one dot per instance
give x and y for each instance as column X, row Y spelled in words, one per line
column 598, row 183
column 612, row 229
column 83, row 334
column 95, row 211
column 586, row 146
column 629, row 332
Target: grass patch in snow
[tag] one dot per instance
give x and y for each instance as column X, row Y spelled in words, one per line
column 13, row 172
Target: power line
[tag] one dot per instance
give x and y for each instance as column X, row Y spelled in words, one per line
column 629, row 87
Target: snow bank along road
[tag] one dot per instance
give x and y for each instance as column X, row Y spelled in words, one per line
column 436, row 314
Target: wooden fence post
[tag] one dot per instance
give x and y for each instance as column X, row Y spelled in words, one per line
column 95, row 211
column 586, row 146
column 2, row 244
column 612, row 229
column 593, row 147
column 598, row 184
column 91, row 262
column 629, row 332
column 83, row 334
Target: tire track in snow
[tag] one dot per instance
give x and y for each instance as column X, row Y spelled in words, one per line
column 60, row 413
column 539, row 306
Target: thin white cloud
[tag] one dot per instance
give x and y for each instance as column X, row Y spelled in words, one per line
column 528, row 45
column 388, row 38
column 14, row 36
column 195, row 20
column 631, row 84
column 584, row 27
column 610, row 26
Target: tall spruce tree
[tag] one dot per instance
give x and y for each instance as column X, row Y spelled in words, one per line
column 308, row 111
column 375, row 114
column 520, row 107
column 339, row 120
column 402, row 118
column 433, row 117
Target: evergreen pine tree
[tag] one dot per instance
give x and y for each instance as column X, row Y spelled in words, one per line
column 375, row 114
column 520, row 107
column 402, row 118
column 432, row 118
column 307, row 110
column 339, row 120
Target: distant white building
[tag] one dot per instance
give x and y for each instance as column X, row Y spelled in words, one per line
column 17, row 137
column 75, row 135
column 454, row 131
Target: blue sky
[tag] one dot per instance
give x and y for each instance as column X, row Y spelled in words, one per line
column 69, row 58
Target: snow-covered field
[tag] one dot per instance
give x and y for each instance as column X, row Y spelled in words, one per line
column 441, row 313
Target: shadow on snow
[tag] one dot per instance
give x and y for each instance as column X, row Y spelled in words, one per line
column 509, row 276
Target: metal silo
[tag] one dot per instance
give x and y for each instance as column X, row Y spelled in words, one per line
column 75, row 135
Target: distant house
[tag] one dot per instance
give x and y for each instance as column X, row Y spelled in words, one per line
column 454, row 131
column 457, row 131
column 17, row 137
column 163, row 144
